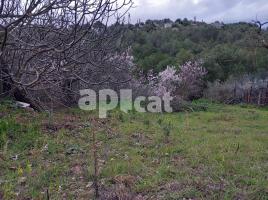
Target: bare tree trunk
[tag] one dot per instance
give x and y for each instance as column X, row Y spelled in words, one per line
column 266, row 95
column 5, row 81
column 1, row 84
column 235, row 91
column 259, row 97
column 250, row 93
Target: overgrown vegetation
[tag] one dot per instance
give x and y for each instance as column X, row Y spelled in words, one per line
column 217, row 153
column 226, row 49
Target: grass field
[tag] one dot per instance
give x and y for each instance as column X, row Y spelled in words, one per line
column 220, row 153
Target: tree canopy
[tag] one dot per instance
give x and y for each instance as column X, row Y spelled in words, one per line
column 226, row 49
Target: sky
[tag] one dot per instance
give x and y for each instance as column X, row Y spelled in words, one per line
column 227, row 11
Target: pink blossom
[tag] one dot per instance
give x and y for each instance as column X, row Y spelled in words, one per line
column 180, row 82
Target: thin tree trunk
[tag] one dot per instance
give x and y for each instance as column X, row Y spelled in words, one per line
column 5, row 81
column 259, row 97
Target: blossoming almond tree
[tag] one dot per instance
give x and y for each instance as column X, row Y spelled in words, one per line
column 167, row 82
column 191, row 76
column 185, row 82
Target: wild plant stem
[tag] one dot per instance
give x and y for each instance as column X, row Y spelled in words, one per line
column 96, row 186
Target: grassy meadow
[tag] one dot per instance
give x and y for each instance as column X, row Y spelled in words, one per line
column 217, row 153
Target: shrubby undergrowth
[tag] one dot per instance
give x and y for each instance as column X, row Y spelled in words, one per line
column 244, row 89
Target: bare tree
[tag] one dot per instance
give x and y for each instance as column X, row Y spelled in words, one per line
column 48, row 46
column 260, row 26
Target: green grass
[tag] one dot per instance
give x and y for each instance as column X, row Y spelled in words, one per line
column 220, row 153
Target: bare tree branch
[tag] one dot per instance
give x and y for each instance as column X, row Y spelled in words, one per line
column 56, row 44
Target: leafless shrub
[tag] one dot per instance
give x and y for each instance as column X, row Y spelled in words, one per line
column 245, row 89
column 51, row 48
